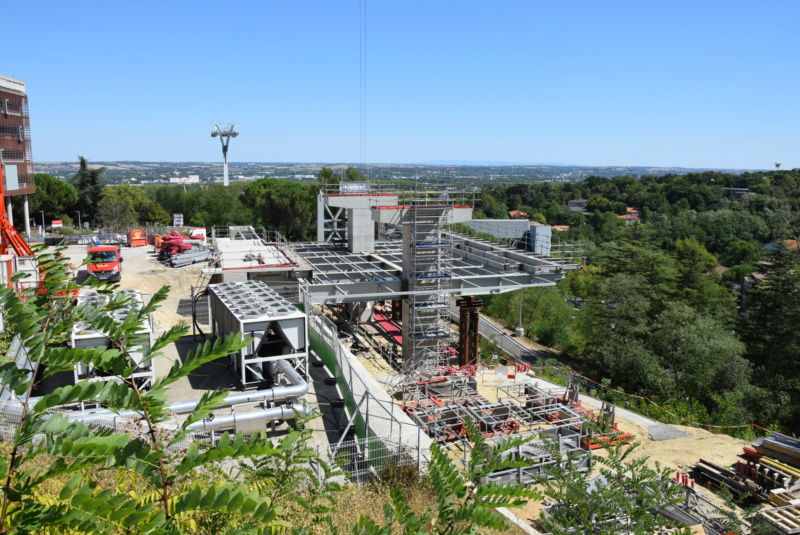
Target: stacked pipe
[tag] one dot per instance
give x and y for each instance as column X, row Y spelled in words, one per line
column 779, row 446
column 174, row 243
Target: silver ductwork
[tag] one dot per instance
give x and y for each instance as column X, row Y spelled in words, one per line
column 297, row 388
column 250, row 421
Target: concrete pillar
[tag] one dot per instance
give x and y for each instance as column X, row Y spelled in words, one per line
column 9, row 213
column 360, row 231
column 26, row 215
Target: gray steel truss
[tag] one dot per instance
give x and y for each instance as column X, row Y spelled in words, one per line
column 479, row 267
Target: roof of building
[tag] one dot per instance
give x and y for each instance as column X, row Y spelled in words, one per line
column 13, row 84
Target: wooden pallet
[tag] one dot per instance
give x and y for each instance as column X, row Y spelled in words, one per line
column 783, row 498
column 786, row 519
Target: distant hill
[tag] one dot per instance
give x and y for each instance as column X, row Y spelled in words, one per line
column 434, row 171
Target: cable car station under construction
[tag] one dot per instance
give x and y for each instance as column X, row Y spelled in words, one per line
column 362, row 322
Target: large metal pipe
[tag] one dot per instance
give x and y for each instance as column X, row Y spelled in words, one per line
column 297, row 389
column 250, row 420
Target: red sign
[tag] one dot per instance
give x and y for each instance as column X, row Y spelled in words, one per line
column 56, row 223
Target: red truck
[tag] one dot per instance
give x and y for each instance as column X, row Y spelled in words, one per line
column 105, row 263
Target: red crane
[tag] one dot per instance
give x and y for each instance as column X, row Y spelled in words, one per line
column 9, row 237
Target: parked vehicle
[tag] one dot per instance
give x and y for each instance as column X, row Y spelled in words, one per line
column 105, row 263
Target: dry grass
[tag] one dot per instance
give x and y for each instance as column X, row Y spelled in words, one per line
column 369, row 500
column 351, row 503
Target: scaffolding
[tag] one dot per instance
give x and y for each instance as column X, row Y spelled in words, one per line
column 430, row 267
column 572, row 250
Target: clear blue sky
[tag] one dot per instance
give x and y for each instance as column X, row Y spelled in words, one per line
column 679, row 83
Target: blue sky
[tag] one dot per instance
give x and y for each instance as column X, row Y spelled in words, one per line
column 679, row 83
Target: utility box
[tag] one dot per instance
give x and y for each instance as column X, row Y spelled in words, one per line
column 85, row 336
column 277, row 329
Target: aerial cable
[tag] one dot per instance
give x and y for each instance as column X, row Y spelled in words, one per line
column 362, row 81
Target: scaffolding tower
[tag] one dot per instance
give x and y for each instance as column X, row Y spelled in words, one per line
column 429, row 274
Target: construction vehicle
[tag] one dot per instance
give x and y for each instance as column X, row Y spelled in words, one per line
column 15, row 254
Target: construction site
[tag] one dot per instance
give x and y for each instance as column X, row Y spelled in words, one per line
column 376, row 327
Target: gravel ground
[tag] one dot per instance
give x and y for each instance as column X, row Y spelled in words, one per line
column 142, row 271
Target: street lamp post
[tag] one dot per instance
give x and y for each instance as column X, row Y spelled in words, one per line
column 42, row 212
column 520, row 330
column 79, row 221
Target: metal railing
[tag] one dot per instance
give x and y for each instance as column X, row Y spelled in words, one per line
column 373, row 415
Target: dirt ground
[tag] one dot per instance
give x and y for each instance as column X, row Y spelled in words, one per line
column 142, row 271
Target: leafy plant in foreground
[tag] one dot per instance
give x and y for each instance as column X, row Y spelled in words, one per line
column 464, row 503
column 622, row 496
column 152, row 452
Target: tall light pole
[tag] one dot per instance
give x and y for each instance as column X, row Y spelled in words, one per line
column 42, row 212
column 79, row 220
column 224, row 138
column 520, row 330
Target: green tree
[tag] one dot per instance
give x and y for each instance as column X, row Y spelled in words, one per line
column 606, row 225
column 55, row 197
column 351, row 174
column 89, row 183
column 701, row 356
column 740, row 252
column 615, row 326
column 769, row 329
column 327, row 178
column 282, row 205
column 464, row 502
column 697, row 279
column 116, row 214
column 218, row 205
column 622, row 496
column 492, row 208
column 124, row 206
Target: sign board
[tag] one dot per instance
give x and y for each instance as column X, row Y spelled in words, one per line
column 11, row 177
column 177, row 220
column 57, row 223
